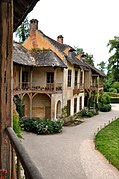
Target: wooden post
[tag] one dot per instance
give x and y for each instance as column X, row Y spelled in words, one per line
column 31, row 80
column 55, row 78
column 31, row 106
column 6, row 31
column 20, row 78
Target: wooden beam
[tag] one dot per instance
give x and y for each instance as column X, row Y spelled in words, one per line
column 6, row 31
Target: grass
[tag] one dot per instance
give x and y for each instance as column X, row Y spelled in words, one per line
column 107, row 142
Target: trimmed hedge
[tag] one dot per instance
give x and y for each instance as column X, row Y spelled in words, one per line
column 112, row 94
column 114, row 99
column 44, row 126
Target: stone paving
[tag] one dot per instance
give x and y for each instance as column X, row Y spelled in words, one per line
column 72, row 154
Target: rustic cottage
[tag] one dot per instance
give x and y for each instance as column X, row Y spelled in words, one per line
column 48, row 76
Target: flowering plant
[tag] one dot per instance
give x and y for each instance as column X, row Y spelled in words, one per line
column 3, row 174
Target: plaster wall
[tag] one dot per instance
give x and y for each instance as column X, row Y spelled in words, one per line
column 42, row 43
column 39, row 104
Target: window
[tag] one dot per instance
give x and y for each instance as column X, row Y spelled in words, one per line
column 76, row 75
column 24, row 76
column 80, row 103
column 50, row 77
column 81, row 77
column 75, row 105
column 69, row 78
column 68, row 107
column 24, row 79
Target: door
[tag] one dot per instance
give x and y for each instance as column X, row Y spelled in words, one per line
column 48, row 112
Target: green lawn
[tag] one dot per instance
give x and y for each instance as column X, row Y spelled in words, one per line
column 107, row 142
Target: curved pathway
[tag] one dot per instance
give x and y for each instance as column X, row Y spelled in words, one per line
column 71, row 154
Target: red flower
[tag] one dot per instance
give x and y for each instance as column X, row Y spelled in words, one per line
column 4, row 172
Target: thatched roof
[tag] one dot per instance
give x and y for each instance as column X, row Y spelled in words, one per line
column 21, row 56
column 21, row 9
column 44, row 58
column 47, row 58
column 94, row 70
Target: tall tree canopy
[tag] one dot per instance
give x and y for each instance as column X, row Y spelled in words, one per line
column 86, row 56
column 89, row 58
column 113, row 65
column 78, row 50
column 102, row 66
column 23, row 30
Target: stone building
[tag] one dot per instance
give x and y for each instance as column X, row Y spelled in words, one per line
column 49, row 76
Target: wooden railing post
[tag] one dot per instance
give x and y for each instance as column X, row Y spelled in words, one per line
column 20, row 86
column 6, row 31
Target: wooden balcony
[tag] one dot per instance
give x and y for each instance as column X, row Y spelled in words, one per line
column 78, row 88
column 49, row 88
column 94, row 86
column 21, row 164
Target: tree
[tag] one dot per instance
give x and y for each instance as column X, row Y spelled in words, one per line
column 113, row 65
column 86, row 56
column 23, row 30
column 89, row 58
column 102, row 66
column 78, row 50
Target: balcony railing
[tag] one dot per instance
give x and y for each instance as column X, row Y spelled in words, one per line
column 78, row 88
column 21, row 164
column 97, row 85
column 93, row 86
column 52, row 87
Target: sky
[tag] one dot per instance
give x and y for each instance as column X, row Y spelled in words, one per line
column 87, row 24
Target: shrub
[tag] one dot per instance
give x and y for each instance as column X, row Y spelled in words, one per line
column 114, row 99
column 86, row 113
column 113, row 90
column 105, row 107
column 104, row 98
column 116, row 85
column 83, row 112
column 113, row 94
column 90, row 114
column 44, row 126
column 16, row 126
column 19, row 106
column 104, row 102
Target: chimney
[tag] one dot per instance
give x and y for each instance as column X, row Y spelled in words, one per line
column 33, row 26
column 33, row 29
column 60, row 39
column 80, row 55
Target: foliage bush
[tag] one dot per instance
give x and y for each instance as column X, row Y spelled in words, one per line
column 105, row 107
column 86, row 113
column 44, row 126
column 114, row 99
column 90, row 114
column 113, row 90
column 104, row 98
column 19, row 106
column 116, row 85
column 16, row 125
column 104, row 102
column 111, row 94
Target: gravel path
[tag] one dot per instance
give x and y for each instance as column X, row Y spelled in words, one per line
column 71, row 154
